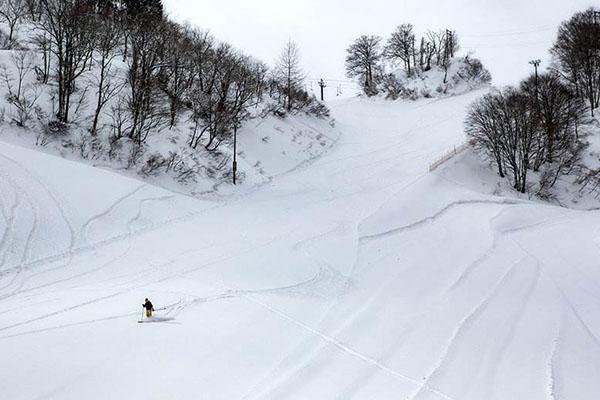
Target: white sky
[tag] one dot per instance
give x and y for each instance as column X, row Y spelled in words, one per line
column 505, row 34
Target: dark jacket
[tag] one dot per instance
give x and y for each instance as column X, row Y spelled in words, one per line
column 148, row 306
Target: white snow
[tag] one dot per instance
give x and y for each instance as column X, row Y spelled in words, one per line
column 356, row 276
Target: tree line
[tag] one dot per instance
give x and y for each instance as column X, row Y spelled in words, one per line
column 144, row 72
column 535, row 125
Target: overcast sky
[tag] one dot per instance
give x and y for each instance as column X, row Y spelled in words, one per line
column 505, row 34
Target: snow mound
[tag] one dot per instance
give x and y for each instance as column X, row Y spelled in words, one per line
column 462, row 75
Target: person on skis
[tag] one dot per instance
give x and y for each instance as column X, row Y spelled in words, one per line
column 149, row 308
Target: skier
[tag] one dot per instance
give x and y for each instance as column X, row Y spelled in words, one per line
column 149, row 308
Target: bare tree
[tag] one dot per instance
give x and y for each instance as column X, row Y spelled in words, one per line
column 66, row 24
column 450, row 47
column 452, row 43
column 22, row 93
column 483, row 128
column 211, row 104
column 33, row 8
column 362, row 60
column 437, row 45
column 220, row 102
column 289, row 73
column 44, row 44
column 505, row 126
column 177, row 70
column 577, row 53
column 202, row 48
column 560, row 113
column 260, row 71
column 108, row 86
column 401, row 46
column 239, row 94
column 12, row 11
column 143, row 101
column 425, row 55
column 204, row 96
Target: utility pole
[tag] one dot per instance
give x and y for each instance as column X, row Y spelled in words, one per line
column 234, row 153
column 536, row 64
column 323, row 86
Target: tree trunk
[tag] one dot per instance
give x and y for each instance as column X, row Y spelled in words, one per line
column 11, row 31
column 93, row 131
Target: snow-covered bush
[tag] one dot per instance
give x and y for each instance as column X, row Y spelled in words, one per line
column 153, row 163
column 54, row 128
column 21, row 94
column 392, row 87
column 471, row 70
column 462, row 74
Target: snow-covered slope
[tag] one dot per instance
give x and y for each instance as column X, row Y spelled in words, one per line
column 271, row 141
column 359, row 275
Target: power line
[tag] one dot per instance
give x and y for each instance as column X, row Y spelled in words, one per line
column 541, row 29
column 504, row 45
column 331, row 80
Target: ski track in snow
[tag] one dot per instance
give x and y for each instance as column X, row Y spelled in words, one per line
column 111, row 208
column 366, row 305
column 58, row 204
column 432, row 218
column 462, row 278
column 501, row 349
column 8, row 217
column 229, row 294
column 566, row 301
column 18, row 275
column 348, row 350
column 96, row 246
column 29, row 241
column 464, row 324
column 94, row 270
column 9, row 235
column 355, row 183
column 554, row 359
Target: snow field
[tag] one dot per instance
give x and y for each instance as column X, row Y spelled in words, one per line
column 358, row 275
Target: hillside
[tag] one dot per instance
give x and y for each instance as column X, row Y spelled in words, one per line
column 147, row 110
column 350, row 277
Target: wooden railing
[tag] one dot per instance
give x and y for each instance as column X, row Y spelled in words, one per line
column 448, row 156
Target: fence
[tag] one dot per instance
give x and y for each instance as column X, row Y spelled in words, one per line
column 448, row 156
